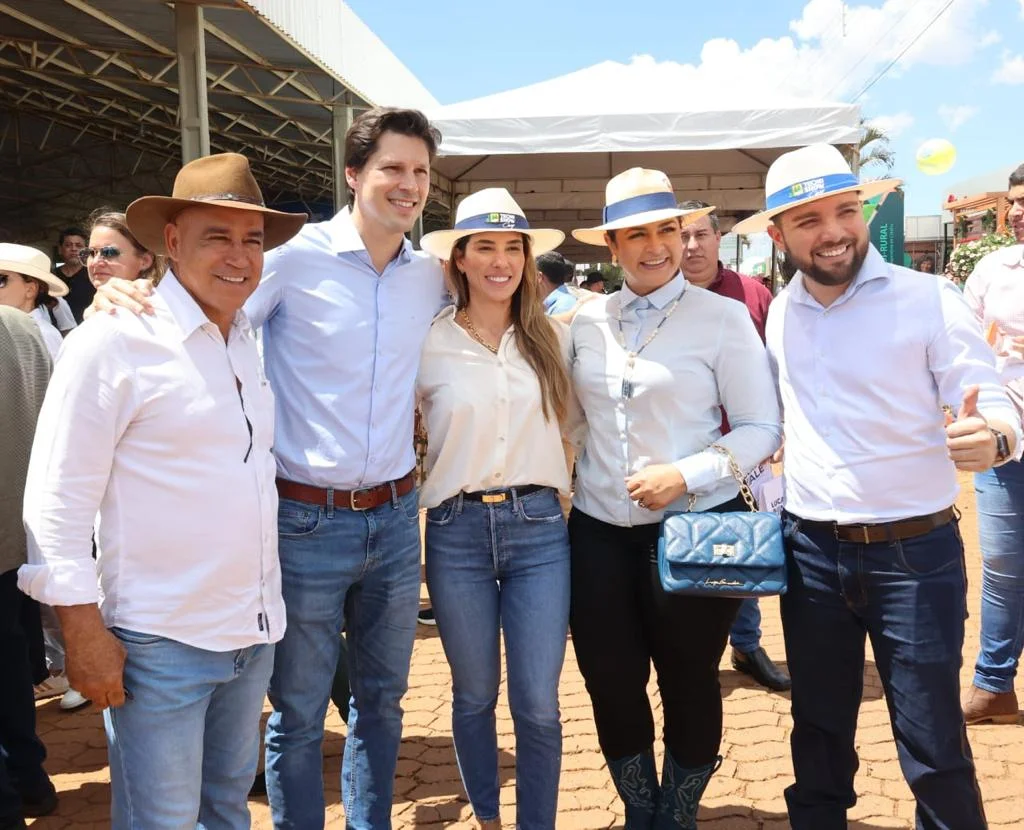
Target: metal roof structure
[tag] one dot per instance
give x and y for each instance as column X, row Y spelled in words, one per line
column 91, row 110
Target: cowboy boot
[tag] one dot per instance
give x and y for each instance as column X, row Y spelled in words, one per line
column 681, row 790
column 636, row 779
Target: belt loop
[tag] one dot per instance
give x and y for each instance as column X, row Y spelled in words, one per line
column 515, row 499
column 394, row 494
column 330, row 502
column 458, row 503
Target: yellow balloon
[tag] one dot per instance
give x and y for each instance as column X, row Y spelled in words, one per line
column 936, row 156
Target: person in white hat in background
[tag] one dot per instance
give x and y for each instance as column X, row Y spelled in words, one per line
column 652, row 367
column 494, row 389
column 27, row 284
column 160, row 428
column 866, row 357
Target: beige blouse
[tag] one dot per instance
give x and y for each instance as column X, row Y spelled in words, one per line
column 485, row 426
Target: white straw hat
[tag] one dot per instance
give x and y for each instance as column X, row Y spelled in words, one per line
column 487, row 211
column 807, row 175
column 637, row 197
column 21, row 259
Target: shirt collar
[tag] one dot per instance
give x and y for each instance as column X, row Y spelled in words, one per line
column 873, row 268
column 659, row 298
column 186, row 311
column 346, row 238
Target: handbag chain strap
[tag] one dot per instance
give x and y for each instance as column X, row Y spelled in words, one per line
column 737, row 473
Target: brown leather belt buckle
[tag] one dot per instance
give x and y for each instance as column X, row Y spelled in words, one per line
column 353, row 494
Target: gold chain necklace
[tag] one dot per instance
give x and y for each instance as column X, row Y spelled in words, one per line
column 475, row 334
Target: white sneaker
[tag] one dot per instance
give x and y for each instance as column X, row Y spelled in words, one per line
column 73, row 700
column 54, row 686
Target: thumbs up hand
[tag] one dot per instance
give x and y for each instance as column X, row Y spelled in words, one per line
column 970, row 442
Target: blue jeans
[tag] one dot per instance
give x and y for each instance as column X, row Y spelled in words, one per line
column 1000, row 495
column 360, row 570
column 745, row 634
column 909, row 598
column 503, row 566
column 184, row 747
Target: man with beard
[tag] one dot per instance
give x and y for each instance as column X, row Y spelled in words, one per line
column 866, row 356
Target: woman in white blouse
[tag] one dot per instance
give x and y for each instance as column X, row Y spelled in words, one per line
column 494, row 391
column 653, row 366
column 26, row 283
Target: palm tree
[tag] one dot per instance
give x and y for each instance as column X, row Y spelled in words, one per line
column 874, row 148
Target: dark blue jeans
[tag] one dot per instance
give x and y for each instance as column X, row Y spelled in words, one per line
column 909, row 598
column 359, row 570
column 21, row 752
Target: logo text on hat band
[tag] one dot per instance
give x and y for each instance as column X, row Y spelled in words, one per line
column 810, row 188
column 492, row 221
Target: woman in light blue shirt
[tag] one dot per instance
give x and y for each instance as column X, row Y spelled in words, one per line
column 653, row 366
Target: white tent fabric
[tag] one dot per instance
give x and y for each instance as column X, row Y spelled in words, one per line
column 614, row 107
column 556, row 143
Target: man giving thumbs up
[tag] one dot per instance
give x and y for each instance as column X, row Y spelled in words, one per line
column 975, row 444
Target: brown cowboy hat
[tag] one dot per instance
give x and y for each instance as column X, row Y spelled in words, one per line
column 223, row 179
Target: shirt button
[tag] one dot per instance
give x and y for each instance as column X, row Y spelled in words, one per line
column 622, row 435
column 497, row 475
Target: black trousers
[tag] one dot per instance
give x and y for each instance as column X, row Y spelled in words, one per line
column 622, row 620
column 21, row 752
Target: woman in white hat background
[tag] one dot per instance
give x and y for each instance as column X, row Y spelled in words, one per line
column 27, row 283
column 652, row 367
column 495, row 396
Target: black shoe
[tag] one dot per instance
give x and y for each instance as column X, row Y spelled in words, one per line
column 259, row 785
column 426, row 616
column 760, row 667
column 39, row 805
column 13, row 823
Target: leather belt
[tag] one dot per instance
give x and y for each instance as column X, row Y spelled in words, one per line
column 498, row 496
column 869, row 534
column 365, row 498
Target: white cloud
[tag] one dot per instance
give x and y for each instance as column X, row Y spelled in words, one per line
column 956, row 117
column 1011, row 71
column 824, row 57
column 893, row 125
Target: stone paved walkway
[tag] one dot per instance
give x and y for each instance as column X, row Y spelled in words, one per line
column 745, row 795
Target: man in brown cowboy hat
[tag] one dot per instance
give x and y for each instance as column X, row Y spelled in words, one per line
column 163, row 427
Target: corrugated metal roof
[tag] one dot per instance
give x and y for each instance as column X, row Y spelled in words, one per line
column 330, row 33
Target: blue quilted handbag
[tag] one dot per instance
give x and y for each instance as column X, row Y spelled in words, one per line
column 723, row 554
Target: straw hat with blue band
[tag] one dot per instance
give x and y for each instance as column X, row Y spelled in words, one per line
column 637, row 197
column 804, row 176
column 487, row 211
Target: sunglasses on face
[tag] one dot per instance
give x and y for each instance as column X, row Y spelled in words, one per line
column 107, row 252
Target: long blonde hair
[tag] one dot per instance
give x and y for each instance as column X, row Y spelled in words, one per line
column 535, row 335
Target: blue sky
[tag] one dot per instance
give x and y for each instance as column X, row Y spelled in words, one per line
column 963, row 79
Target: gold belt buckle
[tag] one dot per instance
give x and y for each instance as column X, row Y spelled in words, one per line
column 493, row 498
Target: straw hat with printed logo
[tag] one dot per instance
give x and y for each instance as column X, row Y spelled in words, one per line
column 486, row 211
column 807, row 175
column 638, row 197
column 224, row 180
column 21, row 259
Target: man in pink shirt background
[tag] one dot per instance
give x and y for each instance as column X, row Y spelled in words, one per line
column 702, row 267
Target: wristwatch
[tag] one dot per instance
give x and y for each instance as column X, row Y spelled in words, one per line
column 1002, row 446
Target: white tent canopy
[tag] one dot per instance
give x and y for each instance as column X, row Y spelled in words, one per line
column 555, row 144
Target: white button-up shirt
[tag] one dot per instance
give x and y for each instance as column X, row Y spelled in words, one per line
column 485, row 426
column 862, row 385
column 995, row 293
column 145, row 424
column 706, row 356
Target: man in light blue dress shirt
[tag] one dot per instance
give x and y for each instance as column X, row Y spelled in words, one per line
column 554, row 272
column 345, row 309
column 867, row 355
